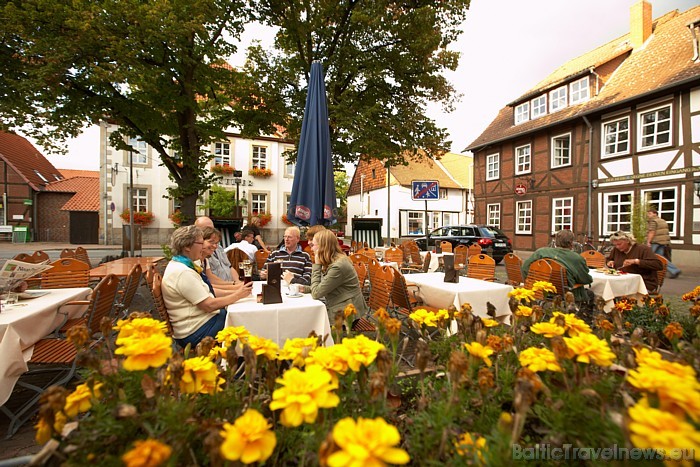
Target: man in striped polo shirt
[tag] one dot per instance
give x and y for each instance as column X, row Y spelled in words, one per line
column 296, row 264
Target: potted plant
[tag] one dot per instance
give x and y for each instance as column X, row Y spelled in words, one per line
column 177, row 218
column 285, row 220
column 261, row 173
column 265, row 217
column 140, row 217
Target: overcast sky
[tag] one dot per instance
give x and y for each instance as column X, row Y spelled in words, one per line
column 507, row 47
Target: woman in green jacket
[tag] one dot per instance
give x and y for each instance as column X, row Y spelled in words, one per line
column 333, row 276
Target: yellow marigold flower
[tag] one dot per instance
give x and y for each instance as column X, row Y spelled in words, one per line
column 232, row 333
column 673, row 331
column 200, row 375
column 606, row 325
column 145, row 352
column 589, row 349
column 138, row 328
column 44, row 431
column 480, row 351
column 573, row 325
column 656, row 429
column 522, row 294
column 263, row 346
column 298, row 349
column 623, row 305
column 349, row 310
column 489, row 323
column 217, row 352
column 692, row 295
column 80, row 400
column 367, row 442
column 423, row 316
column 249, row 439
column 302, row 394
column 544, row 286
column 393, row 326
column 523, row 310
column 334, row 359
column 547, row 329
column 442, row 314
column 695, row 310
column 147, row 453
column 468, row 445
column 494, row 342
column 381, row 314
column 361, row 351
column 536, row 359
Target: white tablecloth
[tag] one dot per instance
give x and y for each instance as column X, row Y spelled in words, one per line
column 294, row 317
column 434, row 291
column 24, row 324
column 610, row 287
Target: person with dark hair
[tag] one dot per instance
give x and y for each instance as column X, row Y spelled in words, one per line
column 254, row 225
column 575, row 264
column 246, row 244
column 630, row 256
column 659, row 240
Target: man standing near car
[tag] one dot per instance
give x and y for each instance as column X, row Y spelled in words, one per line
column 659, row 240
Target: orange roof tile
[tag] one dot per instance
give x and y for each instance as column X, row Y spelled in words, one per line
column 69, row 173
column 86, row 189
column 27, row 161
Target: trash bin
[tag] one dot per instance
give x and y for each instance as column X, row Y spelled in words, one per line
column 20, row 234
column 126, row 239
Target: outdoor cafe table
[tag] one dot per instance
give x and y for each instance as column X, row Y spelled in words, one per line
column 435, row 292
column 434, row 260
column 25, row 323
column 121, row 267
column 294, row 317
column 611, row 286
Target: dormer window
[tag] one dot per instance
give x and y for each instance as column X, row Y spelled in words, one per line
column 539, row 106
column 579, row 91
column 522, row 113
column 557, row 99
column 38, row 174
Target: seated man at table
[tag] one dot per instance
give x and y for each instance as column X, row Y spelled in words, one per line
column 575, row 264
column 194, row 311
column 245, row 244
column 630, row 256
column 296, row 263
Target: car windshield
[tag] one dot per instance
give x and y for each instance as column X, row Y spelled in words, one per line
column 487, row 231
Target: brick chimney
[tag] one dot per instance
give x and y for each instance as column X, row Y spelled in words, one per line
column 640, row 23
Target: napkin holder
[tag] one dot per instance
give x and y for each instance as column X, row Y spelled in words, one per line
column 451, row 274
column 271, row 292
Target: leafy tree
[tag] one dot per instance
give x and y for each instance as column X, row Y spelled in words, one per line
column 152, row 68
column 342, row 183
column 384, row 61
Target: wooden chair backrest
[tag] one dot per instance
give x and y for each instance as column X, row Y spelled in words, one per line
column 381, row 283
column 353, row 246
column 40, row 256
column 261, row 257
column 372, row 267
column 310, row 252
column 24, row 257
column 67, row 253
column 540, row 270
column 594, row 259
column 151, row 271
column 481, row 267
column 358, row 258
column 160, row 303
column 426, row 262
column 361, row 271
column 514, row 269
column 446, row 246
column 393, row 255
column 399, row 293
column 236, row 257
column 559, row 279
column 661, row 273
column 131, row 285
column 368, row 252
column 35, row 258
column 82, row 255
column 103, row 298
column 65, row 273
column 474, row 249
column 461, row 254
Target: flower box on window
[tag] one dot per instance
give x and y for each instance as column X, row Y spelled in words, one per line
column 263, row 173
column 265, row 217
column 140, row 217
column 223, row 169
column 285, row 220
column 177, row 218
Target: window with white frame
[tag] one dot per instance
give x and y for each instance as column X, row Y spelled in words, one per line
column 434, row 220
column 557, row 99
column 665, row 201
column 287, row 200
column 443, row 193
column 523, row 217
column 539, row 106
column 616, row 137
column 562, row 214
column 617, row 212
column 561, row 150
column 222, row 153
column 140, row 200
column 415, row 223
column 289, row 168
column 260, row 157
column 523, row 159
column 258, row 202
column 493, row 215
column 655, row 127
column 579, row 91
column 493, row 167
column 522, row 113
column 140, row 152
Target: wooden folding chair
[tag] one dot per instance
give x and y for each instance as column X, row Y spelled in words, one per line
column 35, row 258
column 261, row 258
column 368, row 252
column 358, row 258
column 131, row 284
column 514, row 269
column 67, row 253
column 81, row 254
column 160, row 303
column 393, row 255
column 474, row 249
column 66, row 273
column 461, row 253
column 101, row 305
column 236, row 257
column 310, row 252
column 362, row 274
column 540, row 270
column 482, row 267
column 660, row 274
column 445, row 246
column 423, row 266
column 381, row 283
column 594, row 259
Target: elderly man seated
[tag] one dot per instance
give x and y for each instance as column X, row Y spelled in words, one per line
column 576, row 267
column 296, row 263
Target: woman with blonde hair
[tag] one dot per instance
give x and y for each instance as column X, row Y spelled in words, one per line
column 334, row 277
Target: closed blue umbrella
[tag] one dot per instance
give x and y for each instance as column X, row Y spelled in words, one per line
column 313, row 192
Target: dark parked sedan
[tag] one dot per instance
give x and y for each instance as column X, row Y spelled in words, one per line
column 493, row 241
